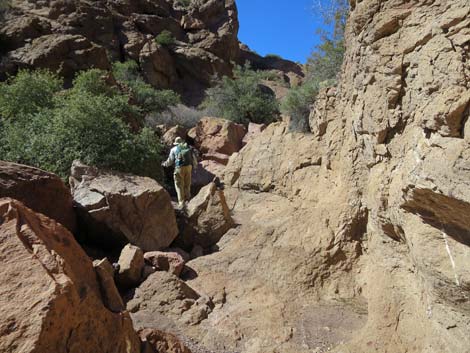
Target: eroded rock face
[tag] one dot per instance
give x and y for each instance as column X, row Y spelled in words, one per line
column 69, row 36
column 50, row 297
column 215, row 136
column 367, row 211
column 207, row 219
column 156, row 341
column 119, row 208
column 39, row 190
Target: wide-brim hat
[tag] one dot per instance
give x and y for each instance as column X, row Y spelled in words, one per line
column 178, row 141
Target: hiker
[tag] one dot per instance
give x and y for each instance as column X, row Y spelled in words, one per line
column 184, row 158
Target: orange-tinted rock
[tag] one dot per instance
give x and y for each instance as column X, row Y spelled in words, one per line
column 49, row 295
column 117, row 208
column 207, row 219
column 253, row 131
column 156, row 341
column 165, row 261
column 39, row 190
column 176, row 131
column 215, row 135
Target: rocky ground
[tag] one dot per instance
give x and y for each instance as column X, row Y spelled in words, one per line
column 351, row 238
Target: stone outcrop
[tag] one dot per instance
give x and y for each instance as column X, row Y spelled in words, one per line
column 69, row 36
column 354, row 238
column 50, row 297
column 217, row 139
column 39, row 190
column 116, row 209
column 206, row 220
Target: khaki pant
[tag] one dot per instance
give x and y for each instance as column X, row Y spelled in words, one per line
column 182, row 178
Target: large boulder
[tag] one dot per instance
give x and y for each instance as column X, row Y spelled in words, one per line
column 116, row 208
column 207, row 219
column 49, row 295
column 163, row 295
column 205, row 173
column 39, row 190
column 218, row 136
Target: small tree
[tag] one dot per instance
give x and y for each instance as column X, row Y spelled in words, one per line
column 27, row 93
column 323, row 65
column 242, row 99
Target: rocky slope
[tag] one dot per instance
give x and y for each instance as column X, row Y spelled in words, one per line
column 355, row 238
column 67, row 36
column 352, row 238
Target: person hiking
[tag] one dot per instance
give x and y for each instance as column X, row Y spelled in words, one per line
column 184, row 158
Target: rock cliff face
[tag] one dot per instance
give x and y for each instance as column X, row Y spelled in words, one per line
column 68, row 36
column 355, row 238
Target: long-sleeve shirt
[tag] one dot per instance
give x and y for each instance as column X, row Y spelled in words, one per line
column 171, row 158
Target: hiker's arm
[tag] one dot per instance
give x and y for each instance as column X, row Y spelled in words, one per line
column 171, row 159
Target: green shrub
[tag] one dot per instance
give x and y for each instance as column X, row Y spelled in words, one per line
column 323, row 65
column 85, row 122
column 27, row 93
column 152, row 100
column 184, row 3
column 273, row 56
column 126, row 71
column 165, row 38
column 297, row 104
column 93, row 81
column 177, row 115
column 4, row 6
column 148, row 98
column 242, row 99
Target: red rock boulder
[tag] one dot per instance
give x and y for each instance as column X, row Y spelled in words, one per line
column 214, row 136
column 50, row 299
column 165, row 261
column 39, row 190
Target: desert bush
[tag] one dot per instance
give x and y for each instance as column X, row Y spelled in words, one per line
column 28, row 93
column 165, row 38
column 85, row 122
column 148, row 98
column 152, row 100
column 323, row 65
column 4, row 6
column 273, row 56
column 177, row 115
column 184, row 3
column 242, row 99
column 297, row 105
column 127, row 71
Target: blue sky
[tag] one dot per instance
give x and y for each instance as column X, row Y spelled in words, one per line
column 283, row 27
